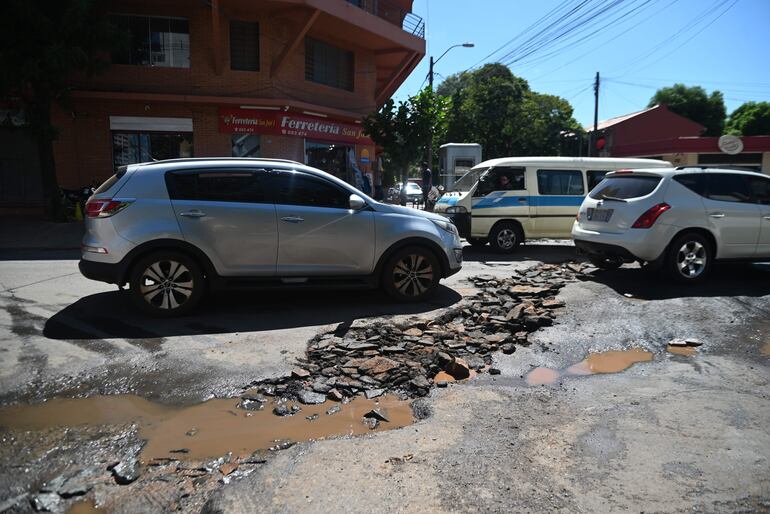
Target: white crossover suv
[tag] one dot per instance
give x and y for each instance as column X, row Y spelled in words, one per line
column 679, row 219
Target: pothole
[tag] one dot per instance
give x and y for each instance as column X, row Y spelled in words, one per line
column 612, row 361
column 685, row 351
column 215, row 427
column 766, row 348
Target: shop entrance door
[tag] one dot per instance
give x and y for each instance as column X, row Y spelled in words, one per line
column 329, row 157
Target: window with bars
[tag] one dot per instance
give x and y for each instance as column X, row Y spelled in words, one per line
column 244, row 46
column 328, row 65
column 154, row 41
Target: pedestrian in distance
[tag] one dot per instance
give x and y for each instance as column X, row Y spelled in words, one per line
column 427, row 183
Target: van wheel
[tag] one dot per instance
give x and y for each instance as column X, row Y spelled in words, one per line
column 411, row 274
column 689, row 258
column 166, row 284
column 505, row 237
column 477, row 241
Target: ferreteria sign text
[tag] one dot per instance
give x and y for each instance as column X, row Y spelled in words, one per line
column 252, row 121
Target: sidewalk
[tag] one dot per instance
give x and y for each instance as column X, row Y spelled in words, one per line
column 20, row 234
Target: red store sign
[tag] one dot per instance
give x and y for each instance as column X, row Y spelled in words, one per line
column 252, row 121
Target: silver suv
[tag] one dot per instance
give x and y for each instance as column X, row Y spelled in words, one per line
column 680, row 219
column 173, row 229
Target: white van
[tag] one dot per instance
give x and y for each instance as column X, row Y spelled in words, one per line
column 505, row 201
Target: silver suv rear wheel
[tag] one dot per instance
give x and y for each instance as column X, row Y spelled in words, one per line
column 166, row 284
column 689, row 257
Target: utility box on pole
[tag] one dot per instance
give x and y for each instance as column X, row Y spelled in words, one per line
column 455, row 159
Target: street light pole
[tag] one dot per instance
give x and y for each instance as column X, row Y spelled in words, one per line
column 430, row 84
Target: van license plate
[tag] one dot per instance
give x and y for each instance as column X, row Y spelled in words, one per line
column 602, row 215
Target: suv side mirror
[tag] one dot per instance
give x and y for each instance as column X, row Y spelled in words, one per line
column 356, row 202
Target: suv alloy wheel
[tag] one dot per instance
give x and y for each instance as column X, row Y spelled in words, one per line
column 411, row 274
column 166, row 284
column 689, row 257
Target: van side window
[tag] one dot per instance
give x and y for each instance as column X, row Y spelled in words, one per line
column 560, row 182
column 503, row 178
column 594, row 177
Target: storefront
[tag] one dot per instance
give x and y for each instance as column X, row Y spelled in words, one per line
column 337, row 147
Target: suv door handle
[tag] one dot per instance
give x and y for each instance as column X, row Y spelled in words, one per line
column 717, row 215
column 193, row 214
column 766, row 217
column 292, row 219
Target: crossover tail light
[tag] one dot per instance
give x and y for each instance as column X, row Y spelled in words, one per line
column 650, row 216
column 104, row 208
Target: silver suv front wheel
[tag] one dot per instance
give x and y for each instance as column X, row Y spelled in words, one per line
column 166, row 284
column 411, row 274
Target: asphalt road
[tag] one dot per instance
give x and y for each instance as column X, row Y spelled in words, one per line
column 673, row 434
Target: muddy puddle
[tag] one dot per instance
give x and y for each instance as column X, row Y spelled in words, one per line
column 766, row 348
column 83, row 507
column 612, row 361
column 685, row 351
column 212, row 428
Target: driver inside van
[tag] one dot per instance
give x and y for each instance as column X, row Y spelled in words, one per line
column 504, row 183
column 507, row 183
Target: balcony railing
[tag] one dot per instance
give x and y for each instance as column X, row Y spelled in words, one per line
column 394, row 14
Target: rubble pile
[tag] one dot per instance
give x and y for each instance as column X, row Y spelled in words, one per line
column 388, row 357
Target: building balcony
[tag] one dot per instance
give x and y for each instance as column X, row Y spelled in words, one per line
column 393, row 13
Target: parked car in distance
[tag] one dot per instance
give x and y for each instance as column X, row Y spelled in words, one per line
column 679, row 219
column 413, row 192
column 174, row 229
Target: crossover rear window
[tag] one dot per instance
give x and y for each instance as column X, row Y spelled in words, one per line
column 625, row 187
column 111, row 181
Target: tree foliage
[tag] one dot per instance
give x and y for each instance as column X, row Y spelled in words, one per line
column 694, row 104
column 404, row 129
column 750, row 119
column 493, row 107
column 42, row 42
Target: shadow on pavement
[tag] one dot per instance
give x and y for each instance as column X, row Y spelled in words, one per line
column 21, row 254
column 547, row 253
column 725, row 279
column 111, row 314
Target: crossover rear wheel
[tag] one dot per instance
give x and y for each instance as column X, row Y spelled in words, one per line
column 166, row 284
column 689, row 257
column 411, row 274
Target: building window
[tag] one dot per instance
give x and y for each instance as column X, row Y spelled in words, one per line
column 245, row 145
column 328, row 65
column 154, row 41
column 244, row 46
column 133, row 147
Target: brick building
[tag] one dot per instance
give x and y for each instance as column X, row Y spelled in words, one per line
column 658, row 133
column 271, row 78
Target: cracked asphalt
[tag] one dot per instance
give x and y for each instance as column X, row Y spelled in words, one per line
column 674, row 434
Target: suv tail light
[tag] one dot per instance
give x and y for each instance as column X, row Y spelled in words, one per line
column 104, row 208
column 649, row 218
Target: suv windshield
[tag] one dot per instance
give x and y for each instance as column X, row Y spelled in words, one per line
column 625, row 186
column 466, row 182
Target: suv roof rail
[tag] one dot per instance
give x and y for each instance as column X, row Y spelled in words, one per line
column 198, row 159
column 717, row 167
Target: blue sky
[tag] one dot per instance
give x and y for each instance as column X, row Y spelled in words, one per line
column 716, row 44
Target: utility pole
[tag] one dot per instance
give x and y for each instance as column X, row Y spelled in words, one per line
column 430, row 134
column 596, row 116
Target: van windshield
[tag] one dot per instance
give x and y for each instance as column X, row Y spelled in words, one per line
column 466, row 182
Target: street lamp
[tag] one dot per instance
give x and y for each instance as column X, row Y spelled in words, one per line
column 430, row 84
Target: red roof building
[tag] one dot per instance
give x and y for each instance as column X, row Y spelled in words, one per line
column 659, row 133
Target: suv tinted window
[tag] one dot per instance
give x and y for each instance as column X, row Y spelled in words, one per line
column 594, row 177
column 219, row 186
column 626, row 186
column 560, row 182
column 301, row 189
column 760, row 187
column 695, row 182
column 728, row 187
column 111, row 181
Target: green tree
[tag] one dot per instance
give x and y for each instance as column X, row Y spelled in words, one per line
column 750, row 119
column 403, row 130
column 694, row 104
column 493, row 107
column 42, row 42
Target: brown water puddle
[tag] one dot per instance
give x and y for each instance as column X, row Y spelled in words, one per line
column 209, row 429
column 766, row 349
column 83, row 507
column 612, row 361
column 686, row 351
